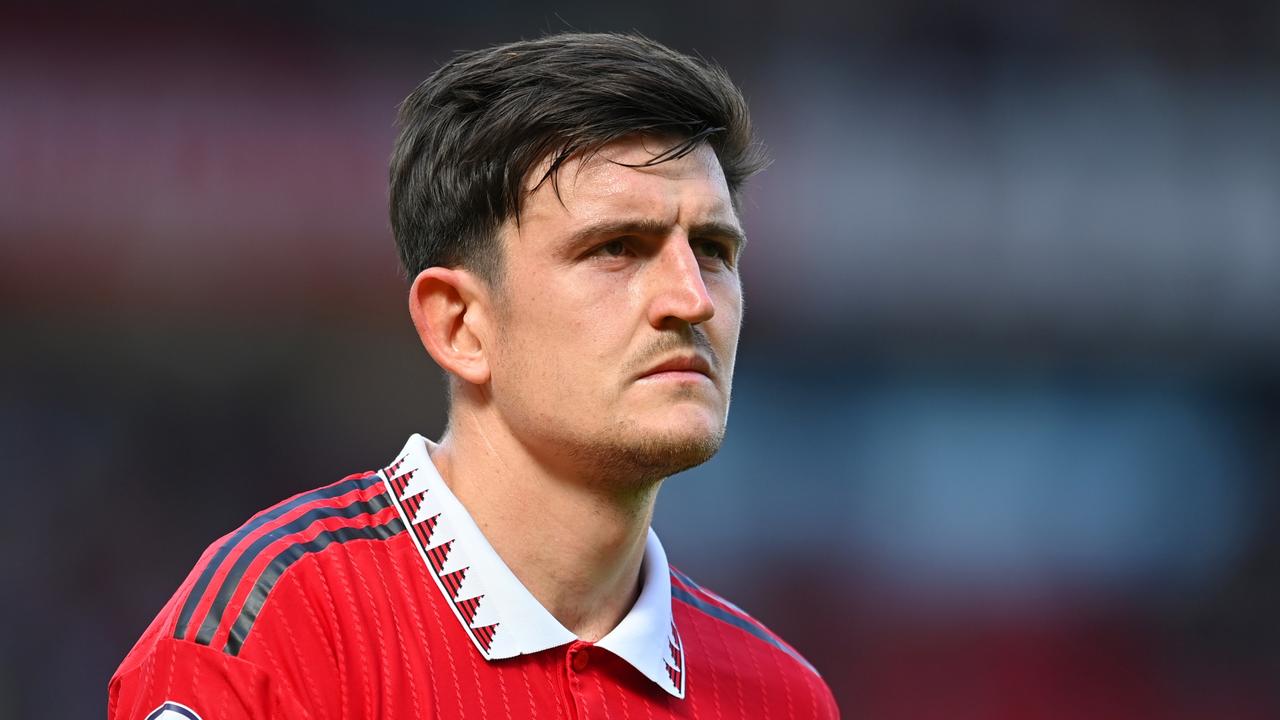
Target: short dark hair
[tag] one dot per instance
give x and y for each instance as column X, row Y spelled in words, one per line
column 473, row 131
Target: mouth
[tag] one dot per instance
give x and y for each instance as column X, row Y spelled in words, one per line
column 682, row 368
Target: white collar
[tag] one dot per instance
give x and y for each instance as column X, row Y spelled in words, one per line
column 500, row 615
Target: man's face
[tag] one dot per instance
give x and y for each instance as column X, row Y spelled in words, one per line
column 618, row 313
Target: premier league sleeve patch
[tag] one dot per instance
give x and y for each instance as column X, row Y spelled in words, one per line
column 171, row 710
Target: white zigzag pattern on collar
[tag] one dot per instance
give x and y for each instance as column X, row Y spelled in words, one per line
column 445, row 558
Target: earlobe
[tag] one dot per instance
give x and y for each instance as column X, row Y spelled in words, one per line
column 448, row 311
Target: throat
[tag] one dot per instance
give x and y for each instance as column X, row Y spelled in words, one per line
column 577, row 546
column 584, row 567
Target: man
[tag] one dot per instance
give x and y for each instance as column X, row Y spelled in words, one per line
column 566, row 208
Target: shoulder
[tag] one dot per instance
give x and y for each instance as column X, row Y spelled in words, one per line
column 261, row 606
column 169, row 678
column 711, row 605
column 220, row 601
column 741, row 635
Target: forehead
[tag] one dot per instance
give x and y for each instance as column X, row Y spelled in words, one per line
column 615, row 182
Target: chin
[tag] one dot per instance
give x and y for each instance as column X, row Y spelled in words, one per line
column 643, row 439
column 651, row 451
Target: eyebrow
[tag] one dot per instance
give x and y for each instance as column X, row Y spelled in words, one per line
column 711, row 230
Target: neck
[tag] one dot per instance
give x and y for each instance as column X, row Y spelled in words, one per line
column 575, row 542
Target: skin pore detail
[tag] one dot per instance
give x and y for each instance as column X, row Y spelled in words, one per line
column 608, row 349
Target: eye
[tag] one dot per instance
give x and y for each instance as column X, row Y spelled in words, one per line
column 616, row 249
column 613, row 248
column 712, row 249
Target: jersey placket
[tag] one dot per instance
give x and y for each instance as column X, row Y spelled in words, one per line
column 577, row 662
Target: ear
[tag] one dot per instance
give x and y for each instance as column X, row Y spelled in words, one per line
column 450, row 311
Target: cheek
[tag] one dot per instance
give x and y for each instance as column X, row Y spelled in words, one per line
column 551, row 356
column 728, row 318
column 592, row 321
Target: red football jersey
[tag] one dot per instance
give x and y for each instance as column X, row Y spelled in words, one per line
column 378, row 597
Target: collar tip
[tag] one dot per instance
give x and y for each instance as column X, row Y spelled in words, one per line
column 672, row 686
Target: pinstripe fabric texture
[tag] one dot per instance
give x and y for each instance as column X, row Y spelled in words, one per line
column 323, row 607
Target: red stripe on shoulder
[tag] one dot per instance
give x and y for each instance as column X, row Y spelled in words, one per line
column 692, row 587
column 317, row 493
column 235, row 578
column 217, row 560
column 271, row 553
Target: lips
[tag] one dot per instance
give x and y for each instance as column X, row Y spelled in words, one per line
column 682, row 363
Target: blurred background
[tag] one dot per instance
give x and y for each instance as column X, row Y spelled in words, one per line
column 1005, row 440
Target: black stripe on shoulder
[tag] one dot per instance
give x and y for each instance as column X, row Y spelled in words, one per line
column 206, row 576
column 251, row 553
column 686, row 579
column 725, row 616
column 253, row 604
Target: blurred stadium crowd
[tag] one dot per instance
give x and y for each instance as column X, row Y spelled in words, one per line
column 1006, row 432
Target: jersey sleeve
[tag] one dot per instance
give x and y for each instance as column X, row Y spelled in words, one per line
column 179, row 680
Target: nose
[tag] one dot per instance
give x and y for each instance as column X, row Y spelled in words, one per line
column 680, row 291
